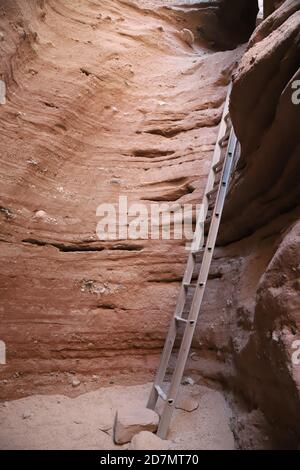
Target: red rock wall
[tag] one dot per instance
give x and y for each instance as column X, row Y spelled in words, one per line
column 269, row 137
column 248, row 331
column 249, row 327
column 248, row 334
column 102, row 100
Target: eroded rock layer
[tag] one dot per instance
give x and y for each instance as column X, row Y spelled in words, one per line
column 265, row 113
column 250, row 334
column 103, row 99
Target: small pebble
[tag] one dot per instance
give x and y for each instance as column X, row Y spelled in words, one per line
column 194, row 356
column 115, row 181
column 75, row 382
column 40, row 215
column 187, row 36
column 275, row 336
column 188, row 381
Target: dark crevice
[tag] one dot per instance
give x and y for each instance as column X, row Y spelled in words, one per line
column 50, row 105
column 85, row 71
column 171, row 196
column 171, row 181
column 169, row 133
column 216, row 275
column 167, row 280
column 63, row 247
column 152, row 153
column 61, row 126
column 35, row 242
column 211, row 276
column 126, row 247
column 7, row 212
column 75, row 249
column 82, row 248
column 106, row 306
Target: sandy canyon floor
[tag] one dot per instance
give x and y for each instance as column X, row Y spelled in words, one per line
column 85, row 422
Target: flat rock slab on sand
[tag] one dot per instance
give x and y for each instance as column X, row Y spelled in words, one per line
column 86, row 422
column 131, row 421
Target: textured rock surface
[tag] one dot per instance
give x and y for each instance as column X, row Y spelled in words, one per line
column 268, row 169
column 250, row 326
column 227, row 23
column 102, row 100
column 267, row 124
column 131, row 420
column 187, row 404
column 270, row 348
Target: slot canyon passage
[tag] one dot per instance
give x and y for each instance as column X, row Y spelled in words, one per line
column 112, row 98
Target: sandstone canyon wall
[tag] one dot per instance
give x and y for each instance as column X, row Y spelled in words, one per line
column 268, row 171
column 103, row 99
column 248, row 341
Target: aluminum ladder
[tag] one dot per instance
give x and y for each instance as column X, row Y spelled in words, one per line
column 203, row 245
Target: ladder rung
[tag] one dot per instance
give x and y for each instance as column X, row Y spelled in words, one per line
column 161, row 393
column 186, row 284
column 212, row 192
column 197, row 252
column 224, row 141
column 189, row 284
column 218, row 166
column 183, row 320
column 196, row 284
column 209, row 219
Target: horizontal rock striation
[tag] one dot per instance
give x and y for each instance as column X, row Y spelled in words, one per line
column 102, row 101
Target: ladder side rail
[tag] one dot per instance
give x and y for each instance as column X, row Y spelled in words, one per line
column 199, row 232
column 198, row 295
column 197, row 244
